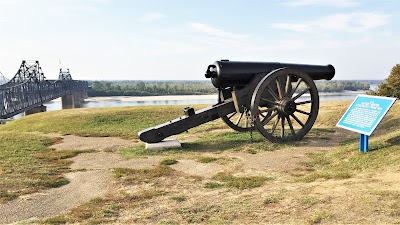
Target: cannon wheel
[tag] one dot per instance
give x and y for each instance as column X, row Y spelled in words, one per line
column 238, row 121
column 285, row 105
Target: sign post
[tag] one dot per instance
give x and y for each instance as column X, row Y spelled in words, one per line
column 364, row 115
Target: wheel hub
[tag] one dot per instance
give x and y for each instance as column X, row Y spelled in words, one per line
column 286, row 106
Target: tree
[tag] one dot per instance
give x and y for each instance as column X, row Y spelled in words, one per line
column 391, row 86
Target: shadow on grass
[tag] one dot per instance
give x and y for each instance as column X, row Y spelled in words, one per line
column 212, row 142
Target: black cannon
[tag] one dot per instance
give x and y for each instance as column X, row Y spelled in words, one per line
column 279, row 99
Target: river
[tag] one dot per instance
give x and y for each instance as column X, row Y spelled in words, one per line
column 118, row 101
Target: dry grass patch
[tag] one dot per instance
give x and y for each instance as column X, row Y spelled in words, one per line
column 230, row 181
column 134, row 176
column 168, row 162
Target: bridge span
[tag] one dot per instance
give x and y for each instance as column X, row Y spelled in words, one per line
column 29, row 89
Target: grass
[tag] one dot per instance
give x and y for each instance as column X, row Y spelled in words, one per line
column 225, row 140
column 318, row 216
column 179, row 198
column 123, row 122
column 199, row 214
column 168, row 162
column 28, row 165
column 346, row 160
column 207, row 159
column 231, row 181
column 274, row 198
column 105, row 209
column 135, row 176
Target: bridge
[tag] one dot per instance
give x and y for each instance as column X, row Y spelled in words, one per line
column 29, row 89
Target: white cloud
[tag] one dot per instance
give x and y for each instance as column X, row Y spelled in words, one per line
column 354, row 22
column 334, row 3
column 212, row 31
column 344, row 44
column 150, row 17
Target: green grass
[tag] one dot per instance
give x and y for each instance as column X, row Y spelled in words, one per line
column 119, row 122
column 207, row 159
column 167, row 162
column 28, row 165
column 213, row 185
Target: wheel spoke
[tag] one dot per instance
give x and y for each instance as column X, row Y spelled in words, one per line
column 288, row 84
column 297, row 119
column 275, row 124
column 230, row 116
column 278, row 84
column 266, row 120
column 283, row 127
column 269, row 101
column 296, row 86
column 301, row 111
column 240, row 117
column 291, row 126
column 266, row 110
column 305, row 102
column 273, row 93
column 301, row 93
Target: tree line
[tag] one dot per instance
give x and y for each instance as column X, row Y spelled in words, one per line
column 153, row 88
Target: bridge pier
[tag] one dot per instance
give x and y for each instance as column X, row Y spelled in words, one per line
column 38, row 109
column 74, row 100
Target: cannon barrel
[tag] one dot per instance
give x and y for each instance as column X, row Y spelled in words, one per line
column 226, row 73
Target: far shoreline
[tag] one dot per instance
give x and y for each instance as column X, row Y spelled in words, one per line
column 187, row 97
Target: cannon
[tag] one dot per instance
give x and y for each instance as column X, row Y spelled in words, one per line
column 280, row 100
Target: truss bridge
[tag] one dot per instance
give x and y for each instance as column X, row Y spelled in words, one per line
column 29, row 89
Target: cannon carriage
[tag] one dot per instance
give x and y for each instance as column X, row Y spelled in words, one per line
column 280, row 100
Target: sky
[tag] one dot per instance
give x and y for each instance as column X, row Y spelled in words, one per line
column 178, row 39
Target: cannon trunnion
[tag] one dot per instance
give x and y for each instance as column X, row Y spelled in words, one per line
column 280, row 100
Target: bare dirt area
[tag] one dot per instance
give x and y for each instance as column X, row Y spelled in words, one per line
column 193, row 193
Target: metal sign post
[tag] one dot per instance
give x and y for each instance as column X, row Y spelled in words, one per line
column 364, row 115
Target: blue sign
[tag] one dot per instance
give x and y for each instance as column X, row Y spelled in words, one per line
column 365, row 113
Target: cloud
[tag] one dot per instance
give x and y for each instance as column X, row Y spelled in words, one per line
column 344, row 44
column 333, row 3
column 150, row 17
column 354, row 22
column 215, row 32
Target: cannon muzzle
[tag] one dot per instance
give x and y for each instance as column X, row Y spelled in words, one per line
column 226, row 73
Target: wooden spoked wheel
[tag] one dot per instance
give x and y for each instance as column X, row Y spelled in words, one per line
column 285, row 105
column 238, row 121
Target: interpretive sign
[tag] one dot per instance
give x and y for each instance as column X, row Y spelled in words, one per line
column 364, row 115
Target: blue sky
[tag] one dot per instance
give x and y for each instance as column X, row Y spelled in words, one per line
column 177, row 39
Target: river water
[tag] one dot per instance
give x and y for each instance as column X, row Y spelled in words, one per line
column 187, row 100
